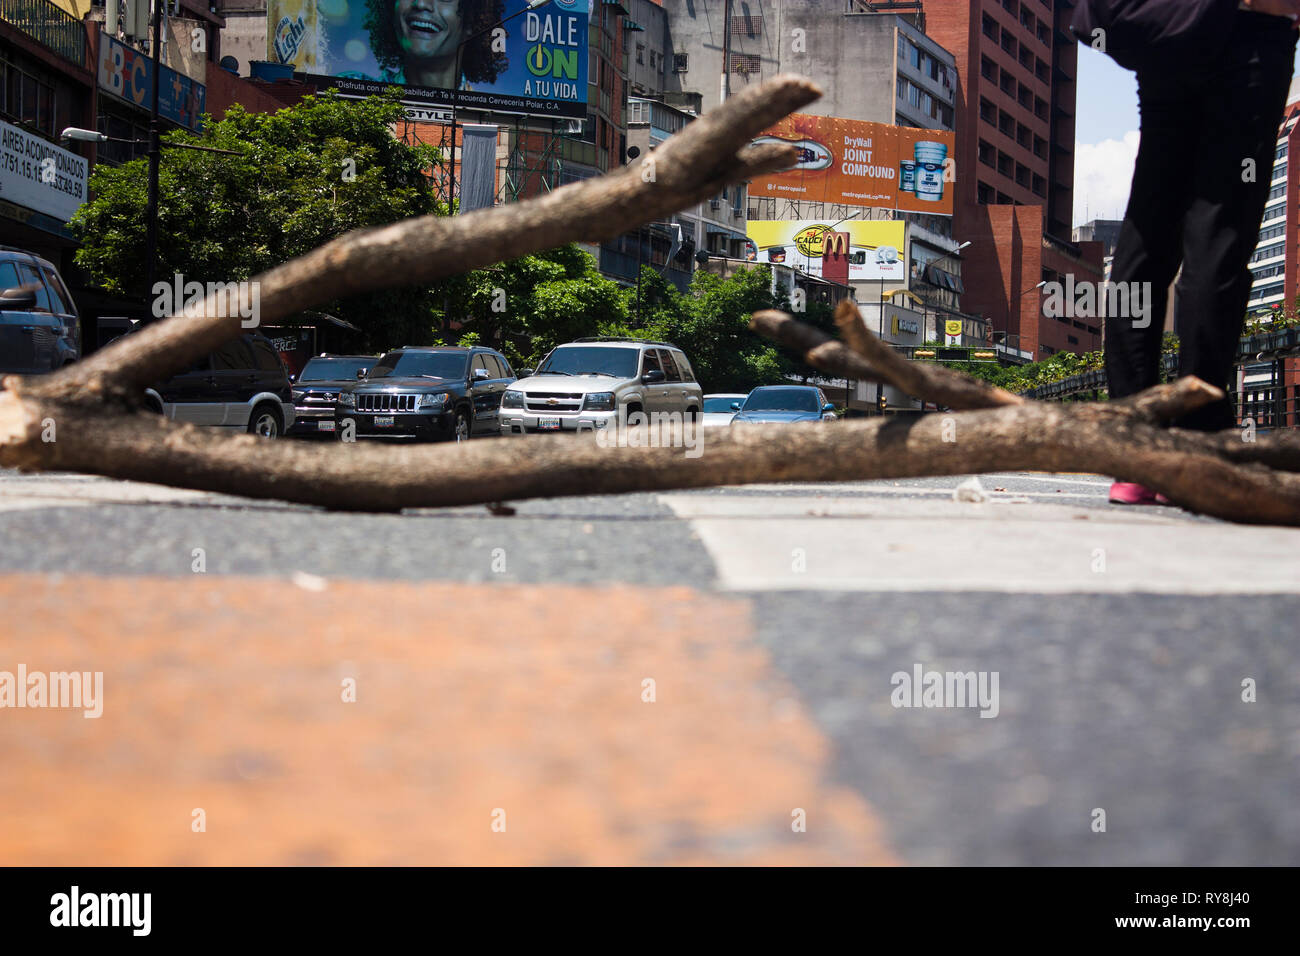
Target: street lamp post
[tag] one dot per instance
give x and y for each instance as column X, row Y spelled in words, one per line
column 455, row 93
column 151, row 227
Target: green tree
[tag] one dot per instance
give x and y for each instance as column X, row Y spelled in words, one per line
column 301, row 177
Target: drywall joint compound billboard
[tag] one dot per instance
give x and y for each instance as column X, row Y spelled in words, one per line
column 535, row 62
column 855, row 163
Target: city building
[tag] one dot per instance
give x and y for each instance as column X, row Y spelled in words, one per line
column 1016, row 65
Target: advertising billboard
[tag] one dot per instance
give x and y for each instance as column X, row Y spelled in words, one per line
column 499, row 54
column 856, row 163
column 39, row 175
column 127, row 73
column 875, row 249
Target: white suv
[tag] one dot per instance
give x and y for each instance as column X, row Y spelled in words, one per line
column 591, row 383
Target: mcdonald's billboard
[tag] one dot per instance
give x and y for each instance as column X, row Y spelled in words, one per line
column 496, row 54
column 856, row 163
column 875, row 247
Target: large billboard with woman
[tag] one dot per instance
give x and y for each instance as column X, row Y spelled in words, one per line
column 502, row 55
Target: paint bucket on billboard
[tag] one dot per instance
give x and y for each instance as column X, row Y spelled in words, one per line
column 907, row 176
column 930, row 159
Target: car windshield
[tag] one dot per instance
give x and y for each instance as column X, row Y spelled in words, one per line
column 591, row 360
column 781, row 400
column 328, row 369
column 420, row 364
column 722, row 404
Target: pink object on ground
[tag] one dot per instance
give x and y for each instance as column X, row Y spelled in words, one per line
column 1130, row 493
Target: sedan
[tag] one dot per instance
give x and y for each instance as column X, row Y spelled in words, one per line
column 720, row 407
column 785, row 404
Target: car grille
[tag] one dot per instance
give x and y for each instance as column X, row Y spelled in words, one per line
column 553, row 402
column 319, row 398
column 385, row 402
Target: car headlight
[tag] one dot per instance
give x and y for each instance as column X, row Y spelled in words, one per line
column 598, row 402
column 297, row 395
column 347, row 399
column 512, row 399
column 432, row 401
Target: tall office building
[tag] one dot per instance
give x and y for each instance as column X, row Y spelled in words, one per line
column 1016, row 62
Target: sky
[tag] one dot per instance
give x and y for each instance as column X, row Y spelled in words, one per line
column 1106, row 137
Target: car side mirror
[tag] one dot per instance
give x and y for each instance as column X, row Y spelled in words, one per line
column 362, row 372
column 828, row 407
column 735, row 406
column 653, row 376
column 21, row 299
column 480, row 375
column 524, row 372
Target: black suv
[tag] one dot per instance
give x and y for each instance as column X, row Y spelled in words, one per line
column 426, row 394
column 243, row 385
column 40, row 330
column 316, row 390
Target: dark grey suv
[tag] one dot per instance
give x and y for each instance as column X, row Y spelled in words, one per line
column 40, row 329
column 426, row 394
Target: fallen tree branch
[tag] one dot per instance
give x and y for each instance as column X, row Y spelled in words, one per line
column 879, row 363
column 91, row 410
column 1031, row 436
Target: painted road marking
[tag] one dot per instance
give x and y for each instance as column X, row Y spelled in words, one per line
column 527, row 700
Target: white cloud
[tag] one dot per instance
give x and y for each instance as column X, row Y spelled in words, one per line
column 1103, row 173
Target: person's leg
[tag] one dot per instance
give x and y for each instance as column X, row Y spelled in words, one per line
column 1150, row 240
column 1243, row 107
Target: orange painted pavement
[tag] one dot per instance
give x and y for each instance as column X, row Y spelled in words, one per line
column 225, row 694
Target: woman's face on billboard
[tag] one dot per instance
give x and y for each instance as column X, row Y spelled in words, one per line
column 428, row 29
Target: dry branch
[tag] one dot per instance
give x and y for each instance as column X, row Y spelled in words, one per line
column 879, row 362
column 99, row 432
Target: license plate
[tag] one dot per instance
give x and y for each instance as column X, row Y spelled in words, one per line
column 325, row 426
column 383, row 421
column 548, row 424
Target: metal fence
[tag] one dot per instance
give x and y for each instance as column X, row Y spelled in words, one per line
column 47, row 24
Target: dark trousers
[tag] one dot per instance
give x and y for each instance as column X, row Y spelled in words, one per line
column 1192, row 204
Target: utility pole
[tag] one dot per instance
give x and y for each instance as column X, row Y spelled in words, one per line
column 726, row 50
column 155, row 150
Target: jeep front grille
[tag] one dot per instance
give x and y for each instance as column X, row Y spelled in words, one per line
column 385, row 402
column 553, row 403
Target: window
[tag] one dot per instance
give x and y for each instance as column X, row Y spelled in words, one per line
column 988, row 69
column 8, row 276
column 671, row 372
column 987, row 155
column 684, row 367
column 988, row 112
column 267, row 359
column 58, row 294
column 650, row 362
column 640, row 53
column 679, row 62
column 28, row 275
column 233, row 356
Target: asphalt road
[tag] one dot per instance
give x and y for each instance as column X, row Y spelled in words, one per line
column 1120, row 637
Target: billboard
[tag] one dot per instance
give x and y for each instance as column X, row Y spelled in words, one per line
column 39, row 175
column 856, row 163
column 875, row 249
column 509, row 58
column 127, row 73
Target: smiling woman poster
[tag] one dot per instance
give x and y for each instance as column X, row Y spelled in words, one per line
column 511, row 58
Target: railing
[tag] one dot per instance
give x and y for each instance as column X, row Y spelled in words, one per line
column 47, row 24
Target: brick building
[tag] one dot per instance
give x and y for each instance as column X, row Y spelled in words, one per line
column 1016, row 64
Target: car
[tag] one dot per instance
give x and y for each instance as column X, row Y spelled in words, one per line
column 242, row 385
column 40, row 328
column 316, row 390
column 784, row 404
column 592, row 382
column 427, row 393
column 719, row 408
